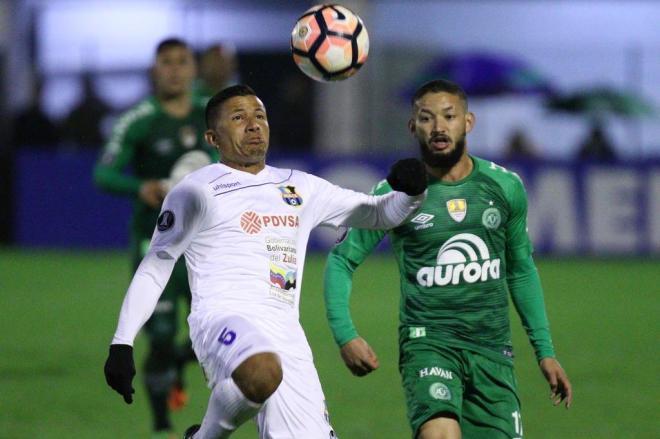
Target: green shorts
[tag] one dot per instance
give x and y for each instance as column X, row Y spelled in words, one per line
column 478, row 391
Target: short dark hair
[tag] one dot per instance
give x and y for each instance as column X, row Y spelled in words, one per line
column 170, row 43
column 439, row 86
column 214, row 104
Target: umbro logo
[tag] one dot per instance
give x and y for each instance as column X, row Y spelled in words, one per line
column 422, row 221
column 422, row 218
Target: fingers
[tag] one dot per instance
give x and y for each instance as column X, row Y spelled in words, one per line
column 127, row 392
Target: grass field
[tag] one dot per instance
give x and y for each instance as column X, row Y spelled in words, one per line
column 59, row 311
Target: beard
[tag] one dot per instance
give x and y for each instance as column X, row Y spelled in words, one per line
column 443, row 160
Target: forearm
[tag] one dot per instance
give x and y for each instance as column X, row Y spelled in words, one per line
column 338, row 282
column 142, row 295
column 527, row 295
column 385, row 211
column 112, row 180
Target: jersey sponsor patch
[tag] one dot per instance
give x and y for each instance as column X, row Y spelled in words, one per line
column 290, row 196
column 457, row 209
column 165, row 220
column 252, row 222
column 440, row 391
column 464, row 258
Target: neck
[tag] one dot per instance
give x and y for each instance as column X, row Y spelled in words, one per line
column 177, row 105
column 252, row 168
column 459, row 171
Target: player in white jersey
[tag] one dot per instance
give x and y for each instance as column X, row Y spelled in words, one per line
column 243, row 227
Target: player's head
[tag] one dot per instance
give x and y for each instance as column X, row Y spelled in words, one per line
column 217, row 66
column 237, row 125
column 174, row 69
column 440, row 121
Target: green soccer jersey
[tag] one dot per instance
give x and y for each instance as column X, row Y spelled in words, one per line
column 147, row 141
column 458, row 256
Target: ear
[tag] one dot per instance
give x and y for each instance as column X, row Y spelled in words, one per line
column 470, row 121
column 412, row 126
column 211, row 138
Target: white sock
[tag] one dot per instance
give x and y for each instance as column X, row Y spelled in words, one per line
column 228, row 409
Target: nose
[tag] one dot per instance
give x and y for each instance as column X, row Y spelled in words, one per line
column 252, row 124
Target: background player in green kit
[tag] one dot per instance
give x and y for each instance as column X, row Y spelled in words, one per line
column 148, row 140
column 459, row 257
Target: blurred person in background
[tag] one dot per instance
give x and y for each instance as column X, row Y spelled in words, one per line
column 596, row 146
column 520, row 146
column 218, row 68
column 145, row 145
column 82, row 127
column 459, row 258
column 32, row 126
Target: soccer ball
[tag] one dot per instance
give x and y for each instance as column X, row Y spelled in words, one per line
column 329, row 43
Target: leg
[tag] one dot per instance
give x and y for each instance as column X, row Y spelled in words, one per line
column 237, row 399
column 433, row 380
column 297, row 409
column 243, row 371
column 491, row 408
column 159, row 366
column 440, row 426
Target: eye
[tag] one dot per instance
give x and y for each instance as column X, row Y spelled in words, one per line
column 450, row 116
column 237, row 117
column 423, row 118
column 261, row 116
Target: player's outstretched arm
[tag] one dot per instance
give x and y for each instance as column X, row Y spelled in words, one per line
column 560, row 386
column 359, row 357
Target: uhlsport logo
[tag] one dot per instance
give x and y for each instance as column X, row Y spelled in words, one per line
column 462, row 258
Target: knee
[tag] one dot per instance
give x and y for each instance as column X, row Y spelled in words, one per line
column 259, row 376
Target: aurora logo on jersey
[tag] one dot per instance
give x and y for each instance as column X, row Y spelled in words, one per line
column 463, row 258
column 457, row 209
column 290, row 196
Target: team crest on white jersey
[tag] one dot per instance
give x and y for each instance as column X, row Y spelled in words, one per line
column 462, row 258
column 457, row 209
column 290, row 196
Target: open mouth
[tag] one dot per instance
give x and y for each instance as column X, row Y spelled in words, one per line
column 440, row 142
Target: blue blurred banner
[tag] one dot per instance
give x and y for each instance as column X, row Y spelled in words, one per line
column 574, row 208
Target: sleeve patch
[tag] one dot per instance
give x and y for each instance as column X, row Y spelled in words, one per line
column 165, row 220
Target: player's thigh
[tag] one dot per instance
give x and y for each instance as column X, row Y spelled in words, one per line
column 491, row 407
column 225, row 342
column 432, row 382
column 297, row 409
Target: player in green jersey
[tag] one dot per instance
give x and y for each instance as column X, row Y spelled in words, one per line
column 460, row 256
column 149, row 139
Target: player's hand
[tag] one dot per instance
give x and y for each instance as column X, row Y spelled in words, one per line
column 152, row 192
column 120, row 369
column 409, row 176
column 359, row 357
column 560, row 386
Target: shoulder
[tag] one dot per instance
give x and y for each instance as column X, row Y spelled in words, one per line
column 508, row 181
column 139, row 112
column 381, row 188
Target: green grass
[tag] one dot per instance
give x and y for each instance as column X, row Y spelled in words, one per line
column 59, row 311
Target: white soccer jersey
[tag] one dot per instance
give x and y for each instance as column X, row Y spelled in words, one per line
column 244, row 238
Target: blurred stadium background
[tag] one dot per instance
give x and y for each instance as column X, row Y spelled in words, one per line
column 541, row 76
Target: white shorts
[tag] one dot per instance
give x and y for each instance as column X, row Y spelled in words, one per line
column 297, row 409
